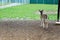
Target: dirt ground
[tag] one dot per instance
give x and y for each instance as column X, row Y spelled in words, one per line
column 28, row 30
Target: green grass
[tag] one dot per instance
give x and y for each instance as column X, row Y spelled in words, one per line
column 27, row 11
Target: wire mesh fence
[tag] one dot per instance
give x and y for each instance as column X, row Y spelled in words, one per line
column 5, row 2
column 9, row 3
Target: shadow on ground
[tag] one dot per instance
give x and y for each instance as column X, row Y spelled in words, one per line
column 28, row 30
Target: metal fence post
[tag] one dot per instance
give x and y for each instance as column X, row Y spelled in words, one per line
column 58, row 11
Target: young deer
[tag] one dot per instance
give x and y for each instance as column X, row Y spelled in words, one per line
column 44, row 19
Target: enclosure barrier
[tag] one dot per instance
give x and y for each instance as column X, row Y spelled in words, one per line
column 44, row 1
column 4, row 2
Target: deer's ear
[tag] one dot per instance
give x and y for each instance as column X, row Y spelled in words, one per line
column 39, row 10
column 42, row 10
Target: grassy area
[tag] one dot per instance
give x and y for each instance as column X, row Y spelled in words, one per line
column 27, row 11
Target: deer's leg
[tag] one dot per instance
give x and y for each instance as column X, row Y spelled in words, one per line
column 46, row 24
column 41, row 22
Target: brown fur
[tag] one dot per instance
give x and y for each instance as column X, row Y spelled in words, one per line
column 44, row 20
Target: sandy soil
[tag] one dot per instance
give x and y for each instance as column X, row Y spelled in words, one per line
column 28, row 30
